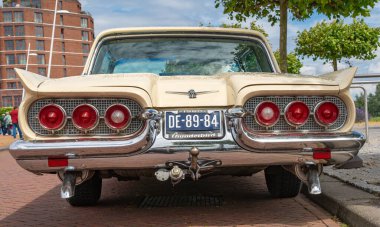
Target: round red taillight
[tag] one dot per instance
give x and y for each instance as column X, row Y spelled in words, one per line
column 297, row 113
column 267, row 114
column 118, row 117
column 52, row 117
column 326, row 113
column 85, row 117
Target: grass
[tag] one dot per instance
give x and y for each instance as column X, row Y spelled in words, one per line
column 375, row 119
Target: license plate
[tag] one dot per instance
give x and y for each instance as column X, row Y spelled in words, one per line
column 189, row 121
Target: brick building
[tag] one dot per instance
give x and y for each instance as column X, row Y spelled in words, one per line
column 24, row 22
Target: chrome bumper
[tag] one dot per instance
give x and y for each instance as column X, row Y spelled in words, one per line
column 150, row 150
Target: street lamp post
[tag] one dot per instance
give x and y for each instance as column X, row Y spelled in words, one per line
column 52, row 39
column 27, row 57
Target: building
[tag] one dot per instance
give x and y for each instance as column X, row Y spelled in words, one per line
column 30, row 22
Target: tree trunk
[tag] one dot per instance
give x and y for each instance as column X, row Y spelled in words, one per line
column 335, row 64
column 283, row 35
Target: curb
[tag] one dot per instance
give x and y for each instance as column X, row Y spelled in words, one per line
column 4, row 148
column 351, row 205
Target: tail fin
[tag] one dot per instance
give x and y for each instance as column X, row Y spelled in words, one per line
column 30, row 81
column 342, row 77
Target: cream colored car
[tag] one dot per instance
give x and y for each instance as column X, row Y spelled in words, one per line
column 184, row 103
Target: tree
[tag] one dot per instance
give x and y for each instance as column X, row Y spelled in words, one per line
column 333, row 41
column 373, row 102
column 277, row 11
column 253, row 26
column 294, row 64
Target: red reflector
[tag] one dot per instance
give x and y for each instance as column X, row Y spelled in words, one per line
column 322, row 155
column 58, row 162
column 118, row 117
column 267, row 114
column 297, row 113
column 52, row 117
column 85, row 117
column 326, row 113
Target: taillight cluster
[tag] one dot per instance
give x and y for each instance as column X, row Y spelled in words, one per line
column 296, row 113
column 84, row 117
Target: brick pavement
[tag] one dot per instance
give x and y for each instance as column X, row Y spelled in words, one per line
column 30, row 200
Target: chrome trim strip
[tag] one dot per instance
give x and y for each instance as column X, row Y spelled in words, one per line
column 158, row 160
column 141, row 143
column 351, row 141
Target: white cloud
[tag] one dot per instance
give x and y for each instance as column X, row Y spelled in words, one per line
column 374, row 67
column 308, row 70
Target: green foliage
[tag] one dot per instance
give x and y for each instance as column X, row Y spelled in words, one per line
column 335, row 40
column 300, row 9
column 277, row 11
column 375, row 119
column 373, row 102
column 253, row 26
column 294, row 64
column 3, row 110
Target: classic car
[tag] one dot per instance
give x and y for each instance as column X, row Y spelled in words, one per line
column 184, row 103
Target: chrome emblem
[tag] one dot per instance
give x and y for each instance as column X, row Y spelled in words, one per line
column 192, row 94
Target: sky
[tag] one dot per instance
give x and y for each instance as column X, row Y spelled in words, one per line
column 134, row 13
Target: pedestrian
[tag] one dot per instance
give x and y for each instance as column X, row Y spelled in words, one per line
column 14, row 116
column 8, row 123
column 3, row 125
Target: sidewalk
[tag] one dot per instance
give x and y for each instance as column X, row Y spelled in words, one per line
column 5, row 141
column 351, row 205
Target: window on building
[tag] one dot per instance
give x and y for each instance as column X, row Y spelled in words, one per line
column 85, row 48
column 60, row 5
column 64, row 72
column 63, row 47
column 36, row 3
column 41, row 59
column 84, row 22
column 7, row 16
column 20, row 44
column 62, row 33
column 42, row 71
column 10, row 59
column 84, row 60
column 40, row 45
column 7, row 101
column 25, row 3
column 11, row 74
column 84, row 36
column 19, row 16
column 38, row 17
column 11, row 85
column 39, row 31
column 61, row 19
column 8, row 30
column 9, row 45
column 64, row 59
column 21, row 59
column 20, row 30
column 17, row 99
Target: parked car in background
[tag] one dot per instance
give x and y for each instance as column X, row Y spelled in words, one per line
column 184, row 103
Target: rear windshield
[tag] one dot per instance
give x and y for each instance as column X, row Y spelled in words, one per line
column 181, row 56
